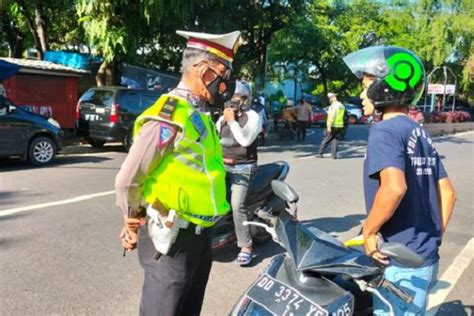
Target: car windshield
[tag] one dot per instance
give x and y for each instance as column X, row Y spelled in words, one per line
column 98, row 97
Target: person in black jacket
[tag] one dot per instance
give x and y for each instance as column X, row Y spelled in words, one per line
column 239, row 127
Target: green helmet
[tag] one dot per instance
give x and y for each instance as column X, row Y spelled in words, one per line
column 399, row 74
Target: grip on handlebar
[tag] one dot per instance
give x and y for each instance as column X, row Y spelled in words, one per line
column 397, row 291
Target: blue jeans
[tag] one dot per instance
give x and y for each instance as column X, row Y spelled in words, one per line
column 238, row 179
column 416, row 282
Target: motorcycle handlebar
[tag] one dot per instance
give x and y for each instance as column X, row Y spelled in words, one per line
column 397, row 291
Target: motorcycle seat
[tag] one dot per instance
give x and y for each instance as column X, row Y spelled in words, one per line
column 263, row 177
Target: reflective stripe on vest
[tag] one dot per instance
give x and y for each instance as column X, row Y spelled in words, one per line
column 191, row 179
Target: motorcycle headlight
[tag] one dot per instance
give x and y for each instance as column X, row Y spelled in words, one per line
column 53, row 122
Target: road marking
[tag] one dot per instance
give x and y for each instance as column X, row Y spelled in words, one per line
column 76, row 199
column 440, row 292
column 101, row 153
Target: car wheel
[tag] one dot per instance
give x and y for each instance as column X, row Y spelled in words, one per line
column 41, row 151
column 96, row 143
column 352, row 119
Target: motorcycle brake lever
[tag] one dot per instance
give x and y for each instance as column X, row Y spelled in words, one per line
column 364, row 286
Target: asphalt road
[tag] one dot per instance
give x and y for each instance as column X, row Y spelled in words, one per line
column 59, row 248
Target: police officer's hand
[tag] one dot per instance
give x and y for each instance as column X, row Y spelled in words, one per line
column 128, row 235
column 129, row 239
column 371, row 246
column 229, row 115
column 329, row 129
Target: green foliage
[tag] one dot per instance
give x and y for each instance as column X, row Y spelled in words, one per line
column 440, row 32
column 279, row 96
column 298, row 37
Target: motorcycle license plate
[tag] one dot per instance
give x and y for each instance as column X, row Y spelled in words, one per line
column 281, row 299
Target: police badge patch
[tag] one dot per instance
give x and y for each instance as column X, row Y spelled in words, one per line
column 199, row 125
column 166, row 134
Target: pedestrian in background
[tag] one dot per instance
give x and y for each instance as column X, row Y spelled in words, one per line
column 408, row 195
column 175, row 166
column 334, row 126
column 288, row 115
column 304, row 114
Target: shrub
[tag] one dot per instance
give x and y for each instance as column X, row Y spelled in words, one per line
column 448, row 117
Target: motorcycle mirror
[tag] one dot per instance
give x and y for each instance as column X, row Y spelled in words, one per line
column 284, row 191
column 401, row 254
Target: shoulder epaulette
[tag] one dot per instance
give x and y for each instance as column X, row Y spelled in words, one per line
column 168, row 108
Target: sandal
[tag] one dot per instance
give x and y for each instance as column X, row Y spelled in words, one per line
column 244, row 258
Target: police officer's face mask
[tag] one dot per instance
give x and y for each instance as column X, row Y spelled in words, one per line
column 221, row 88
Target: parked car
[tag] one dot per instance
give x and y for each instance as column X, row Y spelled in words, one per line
column 28, row 135
column 354, row 113
column 319, row 117
column 107, row 114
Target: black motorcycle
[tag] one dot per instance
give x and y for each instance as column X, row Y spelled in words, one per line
column 286, row 130
column 318, row 275
column 261, row 202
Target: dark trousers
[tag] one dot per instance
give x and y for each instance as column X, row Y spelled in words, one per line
column 175, row 283
column 334, row 136
column 301, row 131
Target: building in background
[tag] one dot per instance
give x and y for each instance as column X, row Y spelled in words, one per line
column 45, row 88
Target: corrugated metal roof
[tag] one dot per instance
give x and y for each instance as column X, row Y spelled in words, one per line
column 41, row 66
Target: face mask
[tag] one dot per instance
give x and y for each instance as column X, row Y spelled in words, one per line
column 221, row 90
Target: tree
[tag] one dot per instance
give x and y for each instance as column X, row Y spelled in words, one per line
column 118, row 29
column 440, row 32
column 321, row 37
column 258, row 21
column 41, row 23
column 12, row 32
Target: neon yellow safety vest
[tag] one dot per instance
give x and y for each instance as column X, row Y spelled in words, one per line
column 191, row 179
column 338, row 115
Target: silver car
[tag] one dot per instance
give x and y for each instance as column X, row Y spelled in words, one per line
column 354, row 112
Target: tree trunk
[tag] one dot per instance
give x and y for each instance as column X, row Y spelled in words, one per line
column 41, row 26
column 295, row 78
column 261, row 71
column 325, row 83
column 13, row 36
column 109, row 73
column 31, row 26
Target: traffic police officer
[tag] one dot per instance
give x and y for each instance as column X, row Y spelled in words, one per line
column 175, row 165
column 335, row 126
